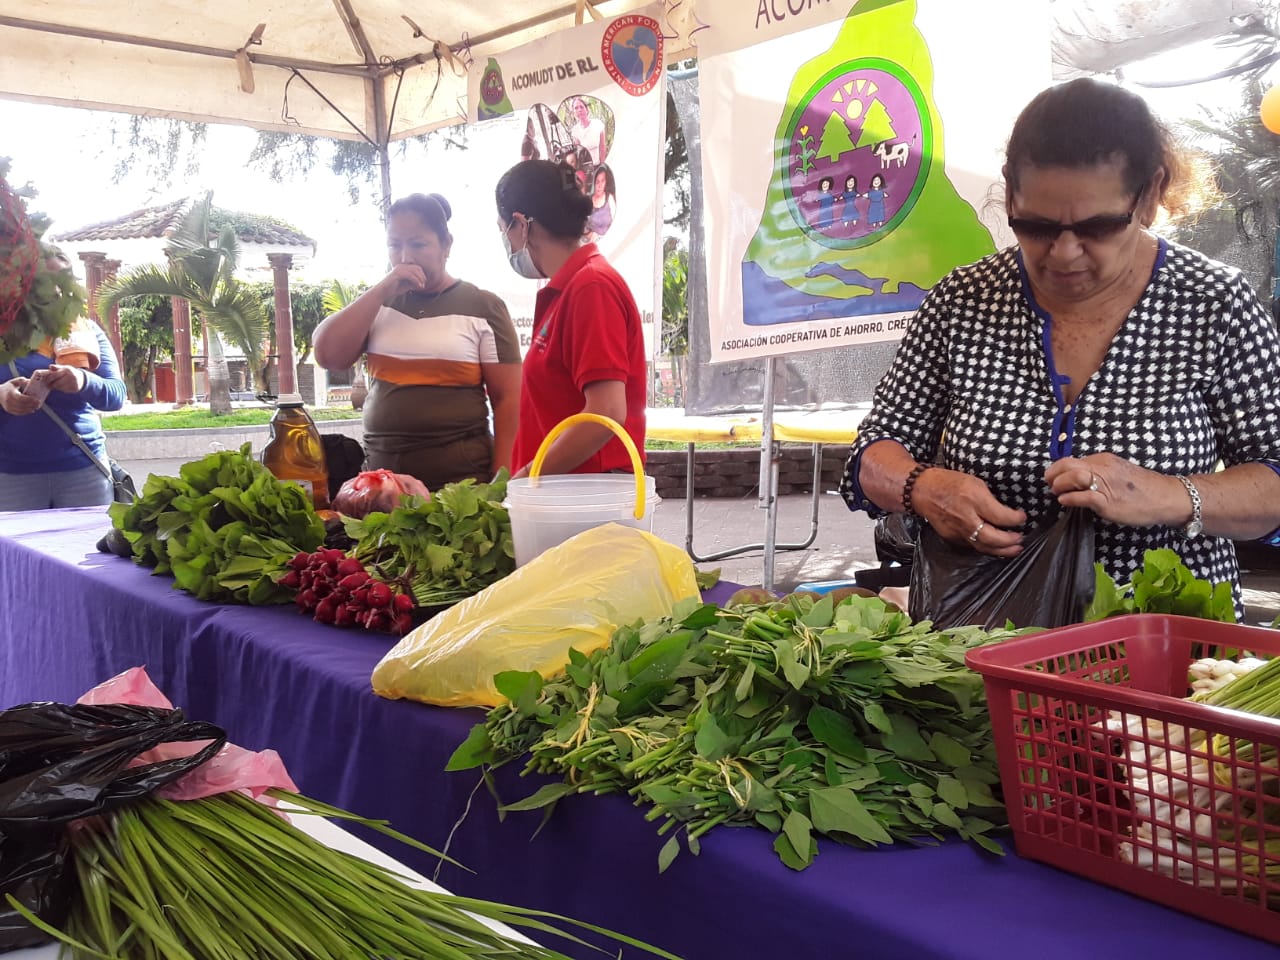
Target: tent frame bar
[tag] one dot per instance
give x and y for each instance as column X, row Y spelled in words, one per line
column 289, row 63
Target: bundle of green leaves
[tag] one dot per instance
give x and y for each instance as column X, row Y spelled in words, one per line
column 444, row 549
column 39, row 298
column 803, row 717
column 225, row 528
column 1162, row 585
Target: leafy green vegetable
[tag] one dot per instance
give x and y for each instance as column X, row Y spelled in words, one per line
column 1163, row 584
column 224, row 528
column 802, row 716
column 446, row 548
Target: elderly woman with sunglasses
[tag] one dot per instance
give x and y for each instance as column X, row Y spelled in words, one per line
column 1093, row 365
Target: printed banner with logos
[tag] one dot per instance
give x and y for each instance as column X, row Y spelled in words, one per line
column 851, row 155
column 593, row 97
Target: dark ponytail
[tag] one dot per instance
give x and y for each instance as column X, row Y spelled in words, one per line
column 547, row 193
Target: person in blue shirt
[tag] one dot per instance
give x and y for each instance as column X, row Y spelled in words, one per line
column 40, row 467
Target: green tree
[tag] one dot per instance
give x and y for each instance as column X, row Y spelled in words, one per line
column 146, row 333
column 835, row 138
column 201, row 270
column 877, row 126
column 675, row 313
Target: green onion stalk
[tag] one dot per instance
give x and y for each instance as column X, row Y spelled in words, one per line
column 227, row 877
column 1207, row 808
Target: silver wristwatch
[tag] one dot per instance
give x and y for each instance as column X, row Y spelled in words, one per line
column 1194, row 528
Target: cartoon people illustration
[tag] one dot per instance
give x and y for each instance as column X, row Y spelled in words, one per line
column 603, row 203
column 826, row 203
column 876, row 195
column 849, row 213
column 589, row 131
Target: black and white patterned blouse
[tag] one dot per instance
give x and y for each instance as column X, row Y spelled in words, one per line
column 1190, row 379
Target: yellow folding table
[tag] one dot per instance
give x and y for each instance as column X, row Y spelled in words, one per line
column 815, row 428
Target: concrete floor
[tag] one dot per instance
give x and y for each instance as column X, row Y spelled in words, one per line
column 843, row 543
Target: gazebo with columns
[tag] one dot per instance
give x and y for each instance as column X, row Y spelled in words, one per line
column 139, row 237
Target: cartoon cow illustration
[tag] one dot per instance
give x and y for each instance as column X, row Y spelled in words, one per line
column 897, row 153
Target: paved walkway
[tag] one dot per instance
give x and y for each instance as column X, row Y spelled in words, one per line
column 843, row 543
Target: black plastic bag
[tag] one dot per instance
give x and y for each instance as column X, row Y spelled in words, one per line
column 59, row 763
column 895, row 538
column 1048, row 584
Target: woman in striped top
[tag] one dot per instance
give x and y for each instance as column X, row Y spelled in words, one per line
column 440, row 352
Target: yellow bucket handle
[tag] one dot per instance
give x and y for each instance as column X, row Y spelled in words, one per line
column 535, row 468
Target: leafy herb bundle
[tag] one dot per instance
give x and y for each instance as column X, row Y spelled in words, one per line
column 1162, row 585
column 803, row 717
column 444, row 549
column 38, row 300
column 225, row 528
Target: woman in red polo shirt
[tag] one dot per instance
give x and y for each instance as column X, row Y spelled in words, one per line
column 587, row 353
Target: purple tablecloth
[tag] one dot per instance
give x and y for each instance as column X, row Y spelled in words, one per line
column 71, row 617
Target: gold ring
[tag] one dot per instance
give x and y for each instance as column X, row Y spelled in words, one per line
column 973, row 537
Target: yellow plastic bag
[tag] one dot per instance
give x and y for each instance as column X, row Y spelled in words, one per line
column 576, row 594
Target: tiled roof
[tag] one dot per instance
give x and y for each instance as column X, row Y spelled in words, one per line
column 152, row 222
column 139, row 225
column 257, row 228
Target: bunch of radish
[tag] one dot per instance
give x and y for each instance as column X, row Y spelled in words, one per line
column 337, row 589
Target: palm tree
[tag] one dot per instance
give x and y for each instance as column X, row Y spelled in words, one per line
column 1248, row 162
column 336, row 296
column 202, row 272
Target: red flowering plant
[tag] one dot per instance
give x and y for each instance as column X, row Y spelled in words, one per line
column 39, row 295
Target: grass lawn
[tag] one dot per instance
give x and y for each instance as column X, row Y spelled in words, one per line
column 192, row 417
column 201, row 417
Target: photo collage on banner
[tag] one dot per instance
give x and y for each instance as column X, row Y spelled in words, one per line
column 593, row 97
column 851, row 158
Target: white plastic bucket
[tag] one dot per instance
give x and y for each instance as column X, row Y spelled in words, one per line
column 547, row 511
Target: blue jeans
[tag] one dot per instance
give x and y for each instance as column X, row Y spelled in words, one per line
column 65, row 488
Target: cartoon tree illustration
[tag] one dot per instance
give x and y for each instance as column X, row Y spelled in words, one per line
column 835, row 138
column 877, row 127
column 806, row 156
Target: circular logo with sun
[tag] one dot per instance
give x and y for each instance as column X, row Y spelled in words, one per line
column 859, row 148
column 632, row 53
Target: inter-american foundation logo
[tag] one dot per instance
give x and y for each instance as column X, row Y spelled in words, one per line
column 632, row 53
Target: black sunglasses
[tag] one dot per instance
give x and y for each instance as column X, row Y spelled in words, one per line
column 1095, row 228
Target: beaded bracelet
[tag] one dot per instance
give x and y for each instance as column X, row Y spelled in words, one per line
column 909, row 486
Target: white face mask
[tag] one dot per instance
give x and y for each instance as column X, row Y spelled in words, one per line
column 520, row 260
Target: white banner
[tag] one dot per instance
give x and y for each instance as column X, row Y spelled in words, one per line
column 594, row 97
column 851, row 156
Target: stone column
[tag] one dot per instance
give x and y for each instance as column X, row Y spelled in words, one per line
column 182, row 386
column 280, row 264
column 93, row 276
column 109, row 270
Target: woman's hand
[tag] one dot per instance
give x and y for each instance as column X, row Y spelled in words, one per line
column 1119, row 490
column 64, row 378
column 963, row 510
column 13, row 401
column 403, row 278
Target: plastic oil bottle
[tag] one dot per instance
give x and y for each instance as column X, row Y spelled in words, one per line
column 294, row 452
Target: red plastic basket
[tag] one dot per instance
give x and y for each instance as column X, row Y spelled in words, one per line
column 1109, row 773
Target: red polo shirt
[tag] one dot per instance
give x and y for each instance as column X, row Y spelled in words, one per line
column 586, row 327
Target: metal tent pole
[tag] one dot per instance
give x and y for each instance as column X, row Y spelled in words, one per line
column 768, row 476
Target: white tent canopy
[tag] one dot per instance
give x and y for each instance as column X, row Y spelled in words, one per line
column 377, row 70
column 380, row 70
